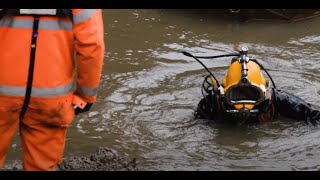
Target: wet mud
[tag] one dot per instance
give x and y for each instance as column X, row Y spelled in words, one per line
column 104, row 159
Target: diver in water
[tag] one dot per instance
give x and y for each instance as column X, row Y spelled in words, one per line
column 245, row 96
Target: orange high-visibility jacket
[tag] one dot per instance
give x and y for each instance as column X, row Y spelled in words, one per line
column 61, row 45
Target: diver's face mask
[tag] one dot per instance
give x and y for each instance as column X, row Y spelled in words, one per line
column 246, row 100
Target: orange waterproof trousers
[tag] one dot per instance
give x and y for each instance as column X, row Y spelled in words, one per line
column 42, row 130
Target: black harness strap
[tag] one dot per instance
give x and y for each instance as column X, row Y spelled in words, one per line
column 65, row 13
column 3, row 12
column 31, row 66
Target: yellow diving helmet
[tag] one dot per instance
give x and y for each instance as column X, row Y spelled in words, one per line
column 244, row 92
column 244, row 86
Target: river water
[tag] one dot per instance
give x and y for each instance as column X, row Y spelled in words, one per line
column 149, row 91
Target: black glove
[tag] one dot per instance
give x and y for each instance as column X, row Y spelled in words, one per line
column 85, row 109
column 314, row 117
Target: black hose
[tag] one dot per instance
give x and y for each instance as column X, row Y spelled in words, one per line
column 211, row 57
column 190, row 55
column 267, row 73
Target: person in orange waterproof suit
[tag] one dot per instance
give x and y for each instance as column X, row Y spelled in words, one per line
column 48, row 64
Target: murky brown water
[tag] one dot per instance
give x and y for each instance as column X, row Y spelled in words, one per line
column 149, row 91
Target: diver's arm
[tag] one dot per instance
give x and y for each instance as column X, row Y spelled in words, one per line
column 205, row 110
column 293, row 107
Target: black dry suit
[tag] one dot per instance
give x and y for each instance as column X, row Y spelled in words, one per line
column 282, row 103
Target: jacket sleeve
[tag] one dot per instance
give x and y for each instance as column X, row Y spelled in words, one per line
column 89, row 48
column 293, row 107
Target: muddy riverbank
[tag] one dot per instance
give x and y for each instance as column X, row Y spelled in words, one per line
column 104, row 159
